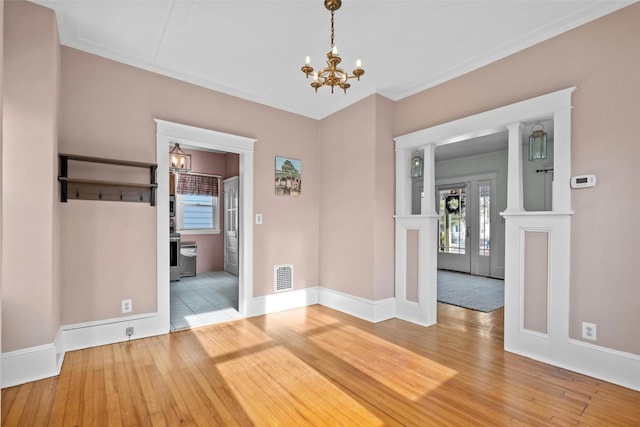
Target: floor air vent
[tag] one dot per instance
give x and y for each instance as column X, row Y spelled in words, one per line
column 283, row 277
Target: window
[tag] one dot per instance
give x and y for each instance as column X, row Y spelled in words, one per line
column 198, row 204
column 484, row 194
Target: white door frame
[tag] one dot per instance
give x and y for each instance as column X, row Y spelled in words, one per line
column 517, row 221
column 169, row 133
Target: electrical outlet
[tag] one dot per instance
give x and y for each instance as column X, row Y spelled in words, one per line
column 589, row 331
column 127, row 306
column 129, row 331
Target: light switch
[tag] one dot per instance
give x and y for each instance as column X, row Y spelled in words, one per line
column 258, row 218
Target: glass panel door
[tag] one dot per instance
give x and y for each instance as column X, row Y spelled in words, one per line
column 453, row 232
column 453, row 224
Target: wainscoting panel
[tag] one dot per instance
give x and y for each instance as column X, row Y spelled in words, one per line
column 535, row 301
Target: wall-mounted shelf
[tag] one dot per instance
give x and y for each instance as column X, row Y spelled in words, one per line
column 93, row 189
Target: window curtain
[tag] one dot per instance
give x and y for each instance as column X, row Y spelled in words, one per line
column 200, row 185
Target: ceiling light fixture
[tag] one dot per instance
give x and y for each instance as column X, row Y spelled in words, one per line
column 537, row 143
column 180, row 161
column 332, row 75
column 416, row 165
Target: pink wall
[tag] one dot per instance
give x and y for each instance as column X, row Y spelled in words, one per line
column 536, row 273
column 107, row 110
column 602, row 59
column 210, row 246
column 232, row 165
column 413, row 239
column 385, row 201
column 290, row 230
column 357, row 200
column 30, row 240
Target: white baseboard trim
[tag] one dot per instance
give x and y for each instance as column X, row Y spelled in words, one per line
column 39, row 362
column 614, row 366
column 371, row 311
column 93, row 334
column 33, row 363
column 410, row 311
column 282, row 301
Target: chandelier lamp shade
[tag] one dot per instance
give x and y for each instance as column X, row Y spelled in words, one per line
column 179, row 160
column 332, row 75
column 537, row 143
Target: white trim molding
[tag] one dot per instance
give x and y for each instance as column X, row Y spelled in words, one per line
column 188, row 136
column 507, row 118
column 33, row 363
column 282, row 301
column 517, row 339
column 109, row 331
column 366, row 309
column 423, row 311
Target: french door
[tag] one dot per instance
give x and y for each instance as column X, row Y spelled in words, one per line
column 464, row 226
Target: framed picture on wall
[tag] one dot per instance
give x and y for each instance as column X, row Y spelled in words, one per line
column 288, row 177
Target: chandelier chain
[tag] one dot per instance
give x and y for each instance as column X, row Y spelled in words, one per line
column 332, row 12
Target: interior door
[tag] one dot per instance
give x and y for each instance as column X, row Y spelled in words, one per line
column 454, row 228
column 231, row 225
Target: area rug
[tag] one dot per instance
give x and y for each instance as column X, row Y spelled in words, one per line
column 474, row 292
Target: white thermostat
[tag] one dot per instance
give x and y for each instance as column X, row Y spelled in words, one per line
column 583, row 181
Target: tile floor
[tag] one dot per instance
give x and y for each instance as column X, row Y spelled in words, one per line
column 203, row 299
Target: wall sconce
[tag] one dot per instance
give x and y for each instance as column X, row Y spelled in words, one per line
column 416, row 165
column 179, row 160
column 537, row 143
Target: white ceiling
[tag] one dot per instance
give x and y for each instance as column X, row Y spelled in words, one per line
column 254, row 49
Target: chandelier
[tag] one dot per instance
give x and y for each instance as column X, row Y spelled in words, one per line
column 332, row 75
column 180, row 161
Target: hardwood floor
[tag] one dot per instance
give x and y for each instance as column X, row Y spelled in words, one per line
column 316, row 366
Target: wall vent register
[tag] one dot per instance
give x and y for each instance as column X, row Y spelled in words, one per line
column 282, row 277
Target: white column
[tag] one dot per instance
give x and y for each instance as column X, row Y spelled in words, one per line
column 561, row 194
column 428, row 204
column 514, row 169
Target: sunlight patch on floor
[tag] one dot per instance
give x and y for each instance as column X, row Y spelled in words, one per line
column 407, row 373
column 262, row 380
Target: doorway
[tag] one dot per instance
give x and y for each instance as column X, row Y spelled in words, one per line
column 465, row 224
column 521, row 226
column 168, row 134
column 204, row 291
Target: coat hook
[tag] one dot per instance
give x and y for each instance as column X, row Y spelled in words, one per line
column 141, row 198
column 121, row 196
column 100, row 195
column 77, row 193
